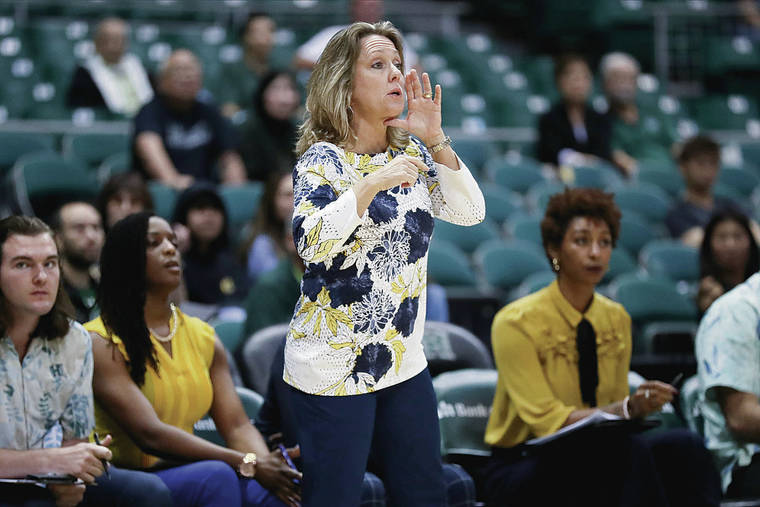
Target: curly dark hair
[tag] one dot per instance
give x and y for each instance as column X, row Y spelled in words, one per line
column 707, row 265
column 577, row 202
column 55, row 323
column 121, row 294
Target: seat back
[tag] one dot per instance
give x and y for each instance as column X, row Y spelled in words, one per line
column 506, row 264
column 241, row 202
column 230, row 332
column 258, row 354
column 466, row 238
column 450, row 347
column 464, row 404
column 670, row 259
column 206, row 428
column 449, row 266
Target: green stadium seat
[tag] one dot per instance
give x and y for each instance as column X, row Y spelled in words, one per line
column 725, row 55
column 669, row 180
column 649, row 201
column 15, row 144
column 670, row 259
column 241, row 202
column 206, row 428
column 40, row 185
column 656, row 302
column 533, row 283
column 464, row 404
column 525, row 228
column 517, row 178
column 449, row 347
column 466, row 238
column 743, row 181
column 621, row 262
column 114, row 164
column 540, row 193
column 505, row 264
column 93, row 149
column 500, row 202
column 230, row 332
column 474, row 153
column 164, row 199
column 449, row 266
column 635, row 232
column 595, row 177
column 725, row 112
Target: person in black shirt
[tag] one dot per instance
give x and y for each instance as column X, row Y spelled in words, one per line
column 572, row 132
column 212, row 274
column 177, row 138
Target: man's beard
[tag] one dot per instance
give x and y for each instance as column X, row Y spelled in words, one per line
column 79, row 261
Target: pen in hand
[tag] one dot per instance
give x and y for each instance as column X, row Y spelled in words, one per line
column 105, row 462
column 676, row 380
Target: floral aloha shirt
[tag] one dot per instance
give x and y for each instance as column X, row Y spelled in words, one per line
column 357, row 326
column 49, row 392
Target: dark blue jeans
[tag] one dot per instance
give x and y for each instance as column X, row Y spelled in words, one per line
column 125, row 488
column 399, row 425
column 214, row 484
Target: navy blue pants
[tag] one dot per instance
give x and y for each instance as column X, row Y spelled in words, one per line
column 125, row 488
column 399, row 425
column 665, row 469
column 214, row 484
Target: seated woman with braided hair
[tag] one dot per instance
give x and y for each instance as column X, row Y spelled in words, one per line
column 563, row 353
column 157, row 371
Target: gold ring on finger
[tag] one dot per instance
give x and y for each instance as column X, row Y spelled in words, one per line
column 428, row 95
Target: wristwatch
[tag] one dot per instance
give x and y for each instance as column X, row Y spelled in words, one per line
column 248, row 467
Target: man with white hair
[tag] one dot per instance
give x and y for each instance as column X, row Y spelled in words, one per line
column 111, row 78
column 179, row 139
column 638, row 137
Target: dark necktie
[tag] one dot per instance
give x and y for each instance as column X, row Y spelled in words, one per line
column 588, row 369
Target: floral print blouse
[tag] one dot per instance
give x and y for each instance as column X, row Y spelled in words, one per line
column 357, row 326
column 50, row 391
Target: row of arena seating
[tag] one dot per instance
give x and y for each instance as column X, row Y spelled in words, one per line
column 487, row 84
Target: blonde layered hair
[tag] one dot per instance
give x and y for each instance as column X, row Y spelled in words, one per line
column 328, row 100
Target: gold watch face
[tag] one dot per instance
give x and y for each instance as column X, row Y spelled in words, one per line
column 250, row 458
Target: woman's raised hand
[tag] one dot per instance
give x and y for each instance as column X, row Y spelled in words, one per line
column 423, row 118
column 402, row 170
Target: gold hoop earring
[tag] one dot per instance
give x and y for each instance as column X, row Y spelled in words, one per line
column 555, row 264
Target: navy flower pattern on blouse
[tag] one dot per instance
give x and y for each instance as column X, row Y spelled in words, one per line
column 357, row 326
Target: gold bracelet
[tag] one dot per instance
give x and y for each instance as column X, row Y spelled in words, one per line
column 438, row 147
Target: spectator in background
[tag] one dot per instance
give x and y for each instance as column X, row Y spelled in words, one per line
column 241, row 79
column 728, row 256
column 79, row 237
column 267, row 243
column 369, row 11
column 699, row 162
column 46, row 403
column 122, row 195
column 177, row 138
column 638, row 137
column 212, row 275
column 111, row 78
column 572, row 133
column 728, row 365
column 273, row 297
column 269, row 136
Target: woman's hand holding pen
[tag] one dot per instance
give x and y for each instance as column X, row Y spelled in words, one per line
column 650, row 396
column 273, row 472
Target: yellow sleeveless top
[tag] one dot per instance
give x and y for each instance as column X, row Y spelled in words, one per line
column 181, row 391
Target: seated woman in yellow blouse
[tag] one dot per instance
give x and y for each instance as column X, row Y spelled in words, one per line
column 157, row 371
column 563, row 353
